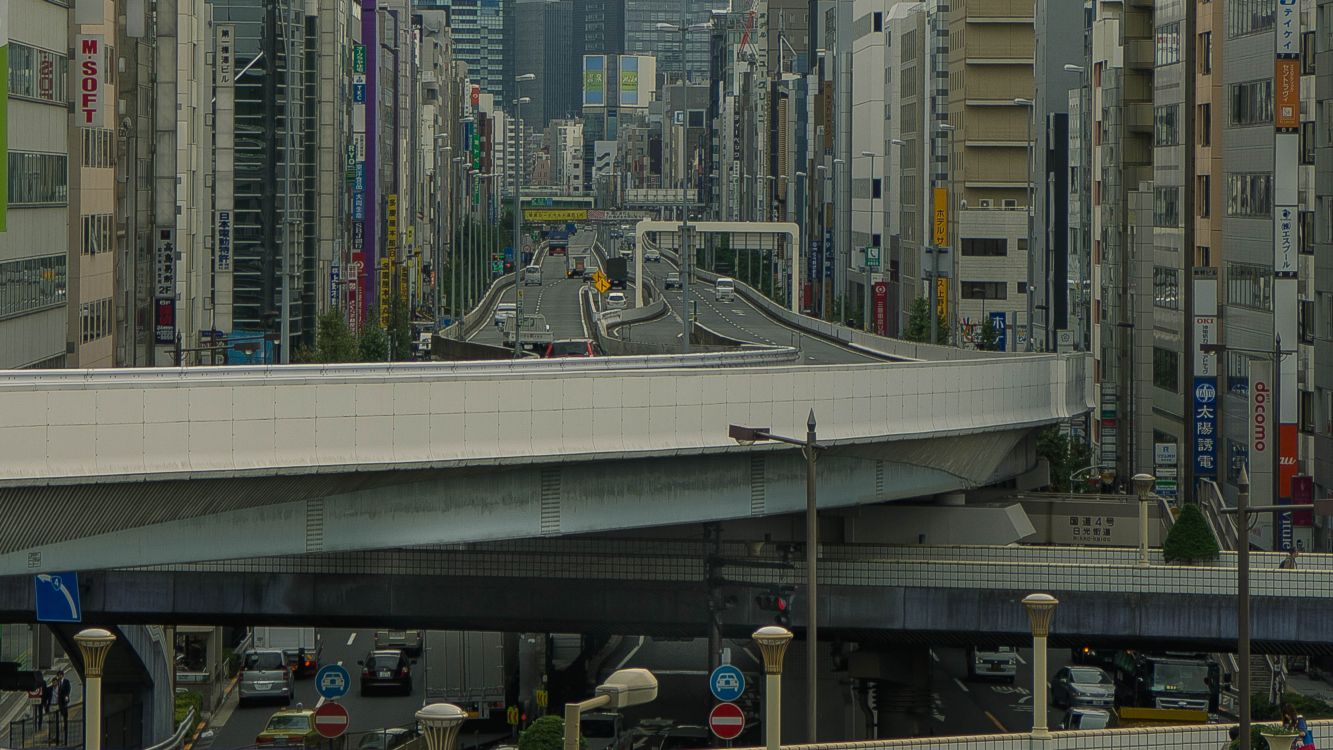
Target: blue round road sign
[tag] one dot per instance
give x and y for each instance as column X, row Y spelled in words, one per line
column 726, row 683
column 332, row 682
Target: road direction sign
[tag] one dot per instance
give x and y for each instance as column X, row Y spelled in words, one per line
column 57, row 597
column 601, row 283
column 726, row 683
column 331, row 720
column 727, row 721
column 332, row 682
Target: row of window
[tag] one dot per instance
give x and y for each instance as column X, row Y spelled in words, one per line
column 31, row 284
column 38, row 74
column 1250, row 286
column 1168, row 44
column 1249, row 194
column 1249, row 16
column 984, row 247
column 95, row 237
column 1166, row 287
column 1252, row 102
column 99, row 148
column 95, row 319
column 38, row 179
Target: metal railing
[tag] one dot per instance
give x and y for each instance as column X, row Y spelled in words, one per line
column 177, row 739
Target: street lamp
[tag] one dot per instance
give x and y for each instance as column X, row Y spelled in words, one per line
column 810, row 447
column 1072, row 68
column 440, row 723
column 624, row 688
column 441, row 174
column 847, row 257
column 1041, row 610
column 773, row 641
column 1143, row 488
column 822, row 170
column 948, row 130
column 94, row 644
column 518, row 209
column 865, row 310
column 1032, row 226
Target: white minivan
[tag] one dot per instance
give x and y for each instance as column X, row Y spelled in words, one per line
column 532, row 276
column 724, row 289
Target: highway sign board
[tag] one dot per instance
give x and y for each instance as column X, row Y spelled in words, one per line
column 601, row 283
column 726, row 683
column 332, row 682
column 57, row 597
column 727, row 721
column 331, row 720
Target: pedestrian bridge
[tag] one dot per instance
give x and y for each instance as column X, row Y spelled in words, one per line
column 108, row 468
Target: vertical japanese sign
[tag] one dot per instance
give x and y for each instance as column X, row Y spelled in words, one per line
column 1001, row 322
column 385, row 280
column 940, row 217
column 4, row 113
column 879, row 304
column 942, row 297
column 164, row 286
column 1263, row 429
column 1205, row 426
column 89, row 100
column 391, row 225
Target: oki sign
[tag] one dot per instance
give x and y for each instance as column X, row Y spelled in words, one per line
column 88, row 100
column 1263, row 431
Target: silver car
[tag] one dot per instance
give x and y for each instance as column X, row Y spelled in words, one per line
column 1088, row 687
column 265, row 676
column 404, row 640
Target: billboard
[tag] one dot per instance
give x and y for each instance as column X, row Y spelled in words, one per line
column 940, row 218
column 1263, row 427
column 4, row 113
column 879, row 305
column 1287, row 94
column 90, row 99
column 629, row 81
column 594, row 80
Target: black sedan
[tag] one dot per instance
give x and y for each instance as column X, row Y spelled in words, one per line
column 386, row 669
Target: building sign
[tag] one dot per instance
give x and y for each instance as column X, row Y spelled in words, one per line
column 358, row 235
column 594, row 80
column 629, row 81
column 1000, row 320
column 4, row 113
column 879, row 304
column 1263, row 424
column 164, row 286
column 226, row 55
column 555, row 214
column 872, row 258
column 222, row 257
column 358, row 58
column 1284, row 239
column 940, row 218
column 391, row 224
column 335, row 279
column 942, row 297
column 359, row 88
column 474, row 97
column 1091, row 529
column 1287, row 94
column 385, row 290
column 1288, row 36
column 89, row 103
column 357, row 289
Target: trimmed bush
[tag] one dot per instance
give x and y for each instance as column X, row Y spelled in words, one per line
column 546, row 733
column 1190, row 539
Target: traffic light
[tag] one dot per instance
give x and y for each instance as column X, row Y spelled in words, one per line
column 777, row 602
column 509, row 266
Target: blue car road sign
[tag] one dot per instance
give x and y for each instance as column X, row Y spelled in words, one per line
column 332, row 682
column 726, row 683
column 57, row 597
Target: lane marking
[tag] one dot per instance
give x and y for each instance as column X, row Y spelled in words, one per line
column 320, row 703
column 960, row 684
column 631, row 653
column 686, row 672
column 996, row 722
column 934, row 655
column 1021, row 660
column 350, row 638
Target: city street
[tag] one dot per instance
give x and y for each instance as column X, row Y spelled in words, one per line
column 964, row 706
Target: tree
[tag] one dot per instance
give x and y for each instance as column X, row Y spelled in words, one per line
column 988, row 337
column 1064, row 456
column 373, row 344
column 918, row 323
column 1190, row 539
column 334, row 340
column 546, row 733
column 400, row 331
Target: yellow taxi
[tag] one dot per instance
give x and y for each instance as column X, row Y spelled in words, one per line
column 291, row 727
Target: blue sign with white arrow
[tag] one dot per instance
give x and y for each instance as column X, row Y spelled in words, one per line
column 57, row 597
column 727, row 683
column 332, row 682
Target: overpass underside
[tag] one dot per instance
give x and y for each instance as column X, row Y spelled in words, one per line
column 113, row 524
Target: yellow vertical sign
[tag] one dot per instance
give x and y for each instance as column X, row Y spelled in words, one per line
column 391, row 224
column 385, row 289
column 942, row 297
column 940, row 221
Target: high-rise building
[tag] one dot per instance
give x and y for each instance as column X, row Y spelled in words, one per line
column 481, row 39
column 643, row 37
column 542, row 32
column 599, row 27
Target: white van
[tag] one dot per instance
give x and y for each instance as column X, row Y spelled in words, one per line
column 724, row 289
column 532, row 276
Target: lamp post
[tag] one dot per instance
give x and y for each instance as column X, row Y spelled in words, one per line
column 94, row 644
column 1041, row 609
column 865, row 286
column 624, row 688
column 948, row 130
column 800, row 197
column 1032, row 242
column 810, row 448
column 455, row 240
column 822, row 171
column 1143, row 488
column 847, row 251
column 440, row 723
column 773, row 641
column 518, row 209
column 442, row 173
column 888, row 218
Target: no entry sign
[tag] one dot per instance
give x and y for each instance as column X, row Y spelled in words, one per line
column 331, row 720
column 727, row 721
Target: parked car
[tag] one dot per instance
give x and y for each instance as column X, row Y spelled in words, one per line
column 672, row 281
column 503, row 311
column 571, row 348
column 616, row 301
column 265, row 675
column 290, row 727
column 409, row 641
column 386, row 669
column 1082, row 686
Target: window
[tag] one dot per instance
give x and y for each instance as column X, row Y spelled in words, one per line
column 1305, row 322
column 1250, row 194
column 1166, row 206
column 1166, row 287
column 1166, row 369
column 1307, row 53
column 1166, row 125
column 37, row 74
column 1249, row 286
column 877, row 21
column 1307, row 142
column 1206, row 52
column 96, row 237
column 1205, row 125
column 876, row 191
column 95, row 319
column 985, row 247
column 99, row 148
column 1203, row 196
column 1168, row 44
column 1251, row 102
column 38, row 179
column 1203, row 255
column 1022, row 287
column 1238, row 454
column 984, row 290
column 1305, row 230
column 1238, row 373
column 1249, row 16
column 31, row 284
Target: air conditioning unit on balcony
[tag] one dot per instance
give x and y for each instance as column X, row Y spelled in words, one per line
column 1010, row 203
column 985, row 202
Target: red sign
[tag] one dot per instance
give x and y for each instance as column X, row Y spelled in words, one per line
column 476, row 95
column 331, row 720
column 89, row 98
column 727, row 721
column 879, row 305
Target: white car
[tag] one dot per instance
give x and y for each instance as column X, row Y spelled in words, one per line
column 532, row 276
column 652, row 255
column 616, row 301
column 504, row 311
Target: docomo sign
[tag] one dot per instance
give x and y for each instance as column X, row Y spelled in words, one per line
column 89, row 104
column 1263, row 424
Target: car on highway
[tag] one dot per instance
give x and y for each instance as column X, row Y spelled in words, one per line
column 724, row 289
column 532, row 276
column 616, row 301
column 290, row 727
column 1082, row 686
column 1088, row 718
column 682, row 737
column 672, row 281
column 503, row 311
column 386, row 669
column 572, row 348
column 265, row 676
column 386, row 739
column 603, row 730
column 408, row 641
column 995, row 662
column 652, row 255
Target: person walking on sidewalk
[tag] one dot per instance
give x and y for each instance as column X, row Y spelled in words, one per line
column 60, row 725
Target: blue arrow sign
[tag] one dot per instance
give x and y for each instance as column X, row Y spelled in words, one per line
column 332, row 682
column 57, row 597
column 726, row 683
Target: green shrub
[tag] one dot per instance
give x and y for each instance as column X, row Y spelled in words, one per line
column 186, row 700
column 546, row 733
column 1190, row 539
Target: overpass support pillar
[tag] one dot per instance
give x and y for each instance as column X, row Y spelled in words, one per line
column 894, row 687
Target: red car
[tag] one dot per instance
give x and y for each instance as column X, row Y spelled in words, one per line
column 571, row 348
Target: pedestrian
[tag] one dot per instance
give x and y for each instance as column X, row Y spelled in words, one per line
column 37, row 699
column 1290, row 562
column 61, row 723
column 1233, row 734
column 1296, row 722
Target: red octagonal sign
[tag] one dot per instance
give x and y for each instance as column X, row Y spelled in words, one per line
column 331, row 720
column 727, row 721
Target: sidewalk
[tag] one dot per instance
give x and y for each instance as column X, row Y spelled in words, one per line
column 1311, row 687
